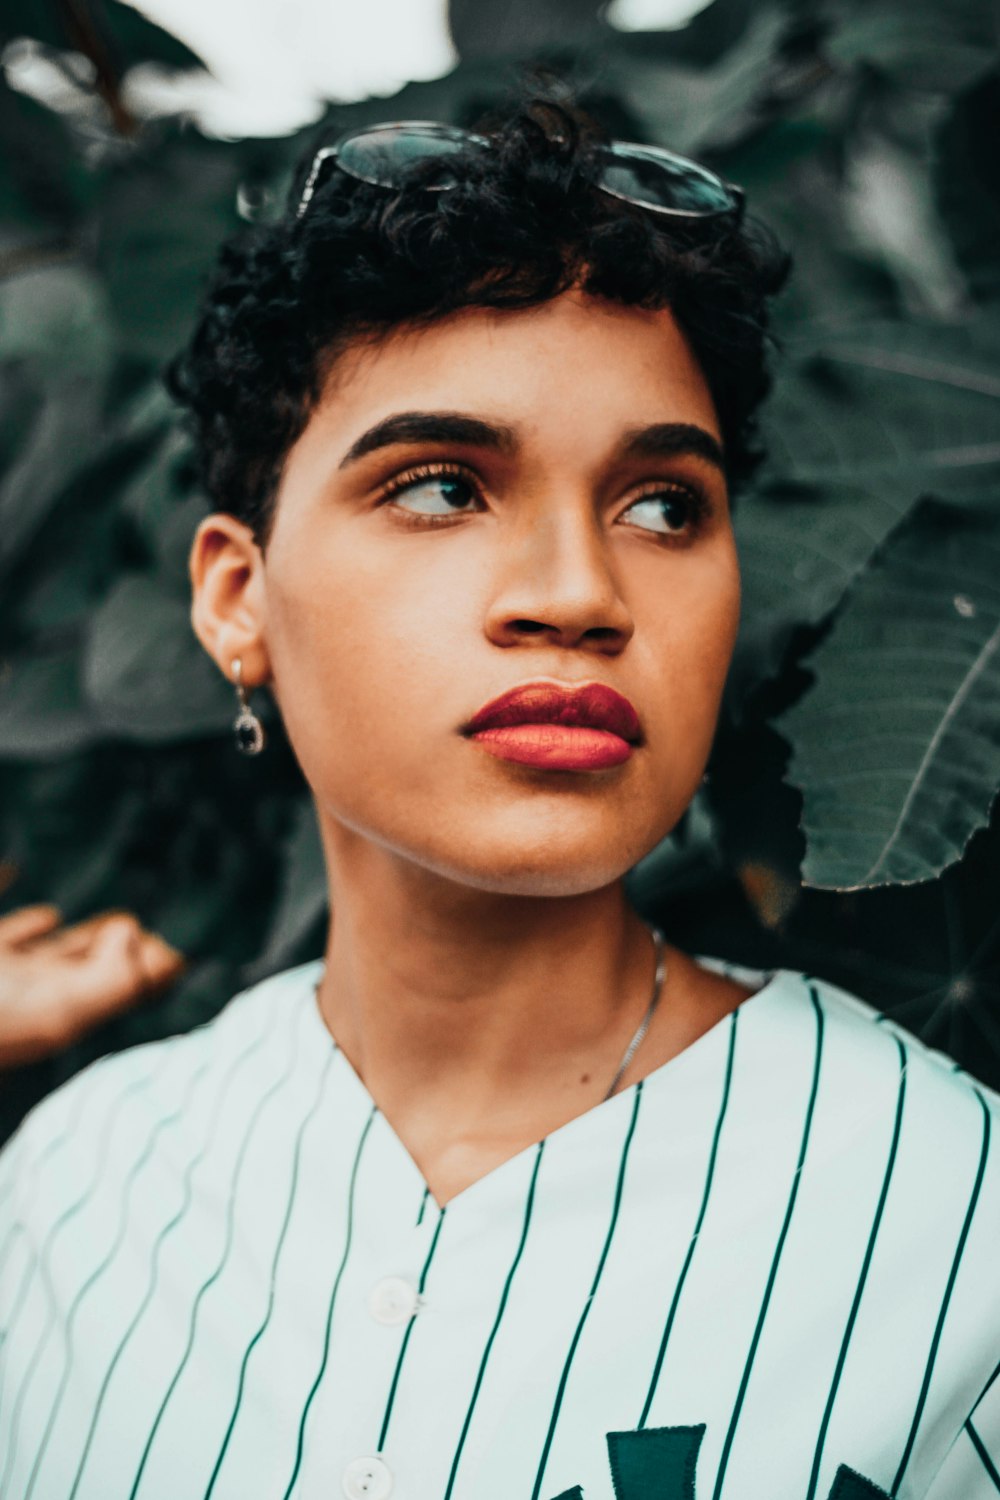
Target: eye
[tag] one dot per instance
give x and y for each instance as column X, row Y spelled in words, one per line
column 432, row 491
column 668, row 511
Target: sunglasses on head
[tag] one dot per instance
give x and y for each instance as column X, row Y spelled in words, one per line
column 652, row 178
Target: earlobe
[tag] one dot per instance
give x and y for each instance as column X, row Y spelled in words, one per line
column 227, row 596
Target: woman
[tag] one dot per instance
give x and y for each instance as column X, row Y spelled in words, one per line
column 503, row 1198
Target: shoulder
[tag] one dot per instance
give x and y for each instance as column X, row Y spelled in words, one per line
column 922, row 1136
column 794, row 1025
column 866, row 1089
column 862, row 1041
column 73, row 1131
column 865, row 1057
column 872, row 1074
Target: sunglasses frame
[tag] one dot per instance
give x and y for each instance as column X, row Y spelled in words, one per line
column 621, row 149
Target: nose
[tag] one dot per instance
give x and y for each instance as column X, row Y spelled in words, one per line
column 557, row 584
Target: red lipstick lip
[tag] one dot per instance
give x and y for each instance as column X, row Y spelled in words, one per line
column 589, row 705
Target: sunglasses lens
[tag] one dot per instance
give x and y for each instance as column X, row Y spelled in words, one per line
column 391, row 155
column 658, row 179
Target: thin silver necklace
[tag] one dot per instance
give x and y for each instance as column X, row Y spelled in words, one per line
column 643, row 1027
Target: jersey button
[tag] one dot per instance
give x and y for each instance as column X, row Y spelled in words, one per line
column 367, row 1479
column 393, row 1300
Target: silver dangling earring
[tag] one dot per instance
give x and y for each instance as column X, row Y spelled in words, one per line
column 247, row 727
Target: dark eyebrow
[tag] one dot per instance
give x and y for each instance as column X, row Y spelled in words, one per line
column 661, row 440
column 668, row 439
column 431, row 427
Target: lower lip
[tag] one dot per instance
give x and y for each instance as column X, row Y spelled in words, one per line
column 555, row 747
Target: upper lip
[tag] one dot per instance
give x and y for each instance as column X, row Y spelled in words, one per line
column 589, row 705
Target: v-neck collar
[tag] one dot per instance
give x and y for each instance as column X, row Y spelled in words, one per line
column 597, row 1118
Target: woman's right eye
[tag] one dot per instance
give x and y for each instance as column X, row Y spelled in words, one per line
column 434, row 495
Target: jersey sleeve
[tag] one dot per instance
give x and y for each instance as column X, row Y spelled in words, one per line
column 23, row 1163
column 965, row 1373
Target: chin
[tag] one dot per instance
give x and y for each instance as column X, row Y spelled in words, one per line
column 528, row 882
column 552, row 865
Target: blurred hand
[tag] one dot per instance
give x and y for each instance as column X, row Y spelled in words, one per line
column 57, row 982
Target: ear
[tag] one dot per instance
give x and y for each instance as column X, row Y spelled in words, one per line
column 228, row 607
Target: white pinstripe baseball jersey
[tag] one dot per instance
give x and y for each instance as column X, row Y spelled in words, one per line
column 769, row 1271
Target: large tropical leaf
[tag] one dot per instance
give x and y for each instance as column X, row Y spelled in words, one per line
column 896, row 748
column 864, row 422
column 121, row 29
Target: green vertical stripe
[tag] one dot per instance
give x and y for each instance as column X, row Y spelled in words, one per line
column 42, row 1265
column 796, row 1179
column 593, row 1290
column 213, row 1277
column 96, row 1274
column 17, row 1170
column 45, row 1252
column 493, row 1331
column 986, row 1387
column 921, row 1400
column 668, row 1327
column 423, row 1205
column 406, row 1336
column 848, row 1331
column 30, row 1267
column 209, row 1136
column 980, row 1448
column 333, row 1302
column 273, row 1282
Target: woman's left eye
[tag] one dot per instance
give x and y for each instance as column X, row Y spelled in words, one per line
column 668, row 512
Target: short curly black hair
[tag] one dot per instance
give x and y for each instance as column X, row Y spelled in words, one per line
column 524, row 223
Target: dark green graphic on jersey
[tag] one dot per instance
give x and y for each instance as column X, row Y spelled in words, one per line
column 658, row 1463
column 850, row 1486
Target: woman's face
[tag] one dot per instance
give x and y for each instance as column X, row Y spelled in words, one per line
column 571, row 528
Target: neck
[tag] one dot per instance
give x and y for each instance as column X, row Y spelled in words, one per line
column 445, row 998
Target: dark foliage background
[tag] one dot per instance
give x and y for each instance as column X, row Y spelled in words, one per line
column 846, row 826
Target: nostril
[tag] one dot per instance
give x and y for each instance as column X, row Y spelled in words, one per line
column 529, row 625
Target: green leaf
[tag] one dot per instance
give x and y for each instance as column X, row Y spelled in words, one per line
column 694, row 109
column 129, row 35
column 146, row 676
column 896, row 748
column 920, row 44
column 138, row 39
column 53, row 332
column 42, row 710
column 863, row 423
column 56, row 317
column 44, row 184
column 162, row 217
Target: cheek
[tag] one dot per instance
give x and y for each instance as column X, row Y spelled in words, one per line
column 368, row 656
column 692, row 638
